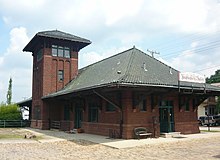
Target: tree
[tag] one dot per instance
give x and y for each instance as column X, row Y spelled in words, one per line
column 9, row 93
column 215, row 79
column 218, row 105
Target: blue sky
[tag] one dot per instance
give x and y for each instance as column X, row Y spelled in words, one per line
column 186, row 33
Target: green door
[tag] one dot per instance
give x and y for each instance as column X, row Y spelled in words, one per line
column 166, row 119
column 78, row 117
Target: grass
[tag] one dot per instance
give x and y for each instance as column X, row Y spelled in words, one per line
column 10, row 136
column 15, row 133
column 209, row 131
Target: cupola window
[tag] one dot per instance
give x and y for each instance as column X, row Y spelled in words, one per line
column 60, row 51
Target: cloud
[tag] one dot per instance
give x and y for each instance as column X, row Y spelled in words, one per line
column 186, row 16
column 87, row 58
column 195, row 60
column 85, row 16
column 15, row 64
column 114, row 12
column 112, row 26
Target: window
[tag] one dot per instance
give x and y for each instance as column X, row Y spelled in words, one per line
column 39, row 55
column 195, row 103
column 166, row 103
column 109, row 107
column 60, row 75
column 154, row 101
column 54, row 50
column 140, row 101
column 37, row 111
column 66, row 113
column 143, row 105
column 60, row 51
column 66, row 52
column 93, row 112
column 184, row 103
column 187, row 104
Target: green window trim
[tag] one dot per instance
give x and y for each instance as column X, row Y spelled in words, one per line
column 187, row 105
column 109, row 107
column 60, row 75
column 93, row 112
column 37, row 112
column 66, row 113
column 140, row 101
column 60, row 51
column 143, row 105
column 39, row 55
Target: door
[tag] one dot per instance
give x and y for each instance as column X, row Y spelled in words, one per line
column 166, row 118
column 78, row 117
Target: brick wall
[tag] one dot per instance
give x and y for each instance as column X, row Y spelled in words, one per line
column 185, row 121
column 45, row 81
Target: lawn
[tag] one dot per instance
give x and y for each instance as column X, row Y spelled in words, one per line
column 14, row 133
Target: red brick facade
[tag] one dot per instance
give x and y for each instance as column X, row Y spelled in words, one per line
column 45, row 81
column 185, row 121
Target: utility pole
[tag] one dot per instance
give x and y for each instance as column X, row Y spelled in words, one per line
column 153, row 52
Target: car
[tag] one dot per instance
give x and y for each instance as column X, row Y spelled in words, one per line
column 217, row 119
column 212, row 120
column 201, row 120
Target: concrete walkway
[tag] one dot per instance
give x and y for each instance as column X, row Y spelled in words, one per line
column 52, row 136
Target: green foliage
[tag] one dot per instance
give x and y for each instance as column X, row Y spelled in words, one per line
column 9, row 93
column 214, row 78
column 10, row 112
column 218, row 105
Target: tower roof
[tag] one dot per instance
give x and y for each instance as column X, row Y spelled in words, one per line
column 56, row 35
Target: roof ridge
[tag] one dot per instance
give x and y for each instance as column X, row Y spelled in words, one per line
column 106, row 59
column 130, row 61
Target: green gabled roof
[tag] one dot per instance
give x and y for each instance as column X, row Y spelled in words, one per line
column 56, row 35
column 131, row 67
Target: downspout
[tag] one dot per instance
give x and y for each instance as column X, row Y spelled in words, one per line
column 116, row 106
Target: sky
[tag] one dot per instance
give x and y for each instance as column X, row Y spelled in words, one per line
column 186, row 34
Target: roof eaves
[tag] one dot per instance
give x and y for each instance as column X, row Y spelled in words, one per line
column 62, row 35
column 77, row 90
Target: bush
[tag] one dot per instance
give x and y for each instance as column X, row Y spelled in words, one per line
column 10, row 112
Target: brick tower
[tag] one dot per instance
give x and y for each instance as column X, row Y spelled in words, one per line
column 55, row 63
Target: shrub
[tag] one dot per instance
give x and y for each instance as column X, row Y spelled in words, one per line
column 10, row 112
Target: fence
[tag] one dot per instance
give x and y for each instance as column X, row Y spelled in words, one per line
column 55, row 124
column 14, row 123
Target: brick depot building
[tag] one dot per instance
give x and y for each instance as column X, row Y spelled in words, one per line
column 113, row 96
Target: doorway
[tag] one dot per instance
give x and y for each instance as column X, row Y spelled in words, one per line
column 166, row 117
column 78, row 117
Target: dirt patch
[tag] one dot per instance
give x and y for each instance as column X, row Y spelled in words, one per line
column 195, row 148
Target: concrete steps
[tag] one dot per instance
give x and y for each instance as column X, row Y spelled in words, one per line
column 171, row 135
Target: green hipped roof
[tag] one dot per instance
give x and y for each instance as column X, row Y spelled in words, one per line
column 59, row 35
column 62, row 35
column 131, row 67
